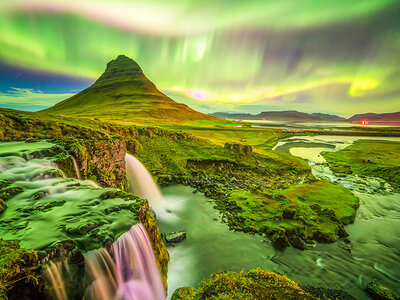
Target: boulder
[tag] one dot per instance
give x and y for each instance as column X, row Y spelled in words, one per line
column 380, row 292
column 324, row 237
column 175, row 237
column 279, row 239
column 183, row 293
column 297, row 242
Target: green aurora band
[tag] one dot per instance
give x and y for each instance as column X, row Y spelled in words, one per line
column 330, row 56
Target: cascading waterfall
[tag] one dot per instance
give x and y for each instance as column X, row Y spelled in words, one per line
column 78, row 174
column 132, row 274
column 127, row 270
column 140, row 181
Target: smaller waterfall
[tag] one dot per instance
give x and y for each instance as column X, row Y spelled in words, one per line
column 141, row 182
column 126, row 271
column 78, row 174
column 54, row 275
column 132, row 274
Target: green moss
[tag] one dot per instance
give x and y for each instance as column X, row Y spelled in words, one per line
column 314, row 211
column 9, row 192
column 384, row 156
column 255, row 284
column 18, row 267
column 328, row 196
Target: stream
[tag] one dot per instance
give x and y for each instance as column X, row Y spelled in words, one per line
column 211, row 247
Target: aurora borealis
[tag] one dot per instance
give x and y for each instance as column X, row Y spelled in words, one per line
column 339, row 57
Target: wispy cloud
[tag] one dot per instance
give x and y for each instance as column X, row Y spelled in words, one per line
column 28, row 99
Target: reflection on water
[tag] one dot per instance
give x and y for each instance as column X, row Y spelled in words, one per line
column 210, row 246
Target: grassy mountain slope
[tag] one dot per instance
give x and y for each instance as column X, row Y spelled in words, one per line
column 124, row 93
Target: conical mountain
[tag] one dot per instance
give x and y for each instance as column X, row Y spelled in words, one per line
column 124, row 93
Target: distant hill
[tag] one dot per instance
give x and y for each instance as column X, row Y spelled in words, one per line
column 124, row 93
column 328, row 117
column 235, row 116
column 386, row 117
column 269, row 115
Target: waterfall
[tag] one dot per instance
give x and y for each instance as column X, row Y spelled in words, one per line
column 54, row 275
column 132, row 274
column 127, row 271
column 78, row 174
column 140, row 181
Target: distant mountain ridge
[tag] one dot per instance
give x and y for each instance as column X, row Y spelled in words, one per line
column 328, row 117
column 300, row 116
column 268, row 115
column 385, row 117
column 123, row 92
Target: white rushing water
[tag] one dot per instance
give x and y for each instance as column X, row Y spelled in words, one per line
column 140, row 181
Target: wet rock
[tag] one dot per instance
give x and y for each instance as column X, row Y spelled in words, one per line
column 175, row 237
column 324, row 237
column 380, row 292
column 297, row 242
column 279, row 239
column 342, row 232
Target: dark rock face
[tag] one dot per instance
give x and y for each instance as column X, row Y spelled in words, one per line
column 102, row 161
column 175, row 237
column 19, row 273
column 380, row 292
column 279, row 239
column 297, row 242
column 245, row 149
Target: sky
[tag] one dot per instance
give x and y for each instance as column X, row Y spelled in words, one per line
column 332, row 56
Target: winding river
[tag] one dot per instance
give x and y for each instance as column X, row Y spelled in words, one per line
column 374, row 251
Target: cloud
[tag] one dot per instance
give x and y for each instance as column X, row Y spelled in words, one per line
column 29, row 99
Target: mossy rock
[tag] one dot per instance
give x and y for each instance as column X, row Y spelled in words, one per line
column 9, row 192
column 19, row 271
column 380, row 292
column 255, row 284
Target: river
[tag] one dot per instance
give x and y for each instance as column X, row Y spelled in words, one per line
column 211, row 247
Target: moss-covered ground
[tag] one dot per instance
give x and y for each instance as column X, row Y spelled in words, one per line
column 292, row 216
column 255, row 284
column 383, row 155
